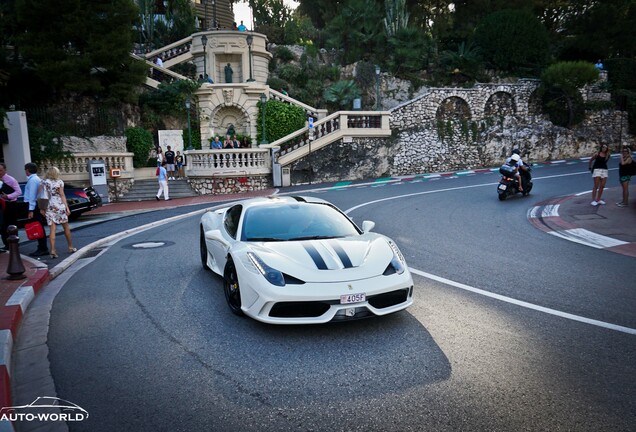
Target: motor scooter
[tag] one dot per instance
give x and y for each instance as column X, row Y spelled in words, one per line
column 509, row 185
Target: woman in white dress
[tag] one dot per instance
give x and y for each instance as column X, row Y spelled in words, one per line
column 58, row 211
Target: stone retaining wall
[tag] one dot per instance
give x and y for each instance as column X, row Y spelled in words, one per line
column 230, row 185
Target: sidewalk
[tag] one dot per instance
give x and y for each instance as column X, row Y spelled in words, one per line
column 603, row 227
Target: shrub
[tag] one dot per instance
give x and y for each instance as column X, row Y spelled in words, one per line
column 284, row 54
column 139, row 141
column 45, row 144
column 277, row 83
column 292, row 74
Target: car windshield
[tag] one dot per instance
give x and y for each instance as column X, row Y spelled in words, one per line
column 297, row 221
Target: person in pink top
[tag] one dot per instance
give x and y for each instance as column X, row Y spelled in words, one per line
column 9, row 193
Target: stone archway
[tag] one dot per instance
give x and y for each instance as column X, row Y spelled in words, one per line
column 225, row 116
column 453, row 108
column 535, row 104
column 500, row 104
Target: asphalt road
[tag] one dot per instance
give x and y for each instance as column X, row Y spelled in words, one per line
column 142, row 339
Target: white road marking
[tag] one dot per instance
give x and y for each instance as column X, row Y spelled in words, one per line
column 490, row 294
column 526, row 304
column 550, row 211
column 588, row 238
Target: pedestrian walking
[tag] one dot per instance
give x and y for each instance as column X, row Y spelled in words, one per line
column 57, row 211
column 626, row 170
column 163, row 182
column 598, row 166
column 31, row 193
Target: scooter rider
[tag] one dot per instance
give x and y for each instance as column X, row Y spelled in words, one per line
column 514, row 161
column 524, row 173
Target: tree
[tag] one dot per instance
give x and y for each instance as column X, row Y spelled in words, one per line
column 357, row 31
column 341, row 94
column 271, row 17
column 397, row 17
column 177, row 23
column 560, row 85
column 409, row 49
column 462, row 64
column 513, row 41
column 85, row 49
column 603, row 30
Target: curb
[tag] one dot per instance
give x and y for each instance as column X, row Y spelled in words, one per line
column 11, row 315
column 545, row 217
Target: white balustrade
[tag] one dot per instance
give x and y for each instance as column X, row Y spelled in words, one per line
column 75, row 167
column 228, row 163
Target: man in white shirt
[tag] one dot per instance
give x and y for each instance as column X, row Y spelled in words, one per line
column 31, row 190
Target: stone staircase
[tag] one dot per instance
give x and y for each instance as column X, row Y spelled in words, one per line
column 145, row 190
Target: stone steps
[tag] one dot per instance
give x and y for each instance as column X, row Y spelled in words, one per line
column 146, row 190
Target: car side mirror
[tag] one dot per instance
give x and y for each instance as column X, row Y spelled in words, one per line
column 367, row 226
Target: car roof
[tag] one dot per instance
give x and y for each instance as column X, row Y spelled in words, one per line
column 281, row 199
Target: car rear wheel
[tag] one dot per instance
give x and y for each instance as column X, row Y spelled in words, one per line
column 231, row 288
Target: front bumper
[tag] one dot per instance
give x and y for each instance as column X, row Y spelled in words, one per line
column 316, row 303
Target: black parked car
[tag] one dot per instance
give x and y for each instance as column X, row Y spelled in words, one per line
column 80, row 200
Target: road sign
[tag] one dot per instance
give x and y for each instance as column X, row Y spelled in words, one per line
column 311, row 122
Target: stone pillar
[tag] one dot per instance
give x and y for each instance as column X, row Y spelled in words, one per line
column 17, row 151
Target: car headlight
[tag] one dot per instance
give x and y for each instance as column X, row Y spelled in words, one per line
column 272, row 275
column 398, row 264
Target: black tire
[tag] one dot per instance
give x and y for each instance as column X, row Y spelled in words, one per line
column 203, row 248
column 502, row 196
column 231, row 288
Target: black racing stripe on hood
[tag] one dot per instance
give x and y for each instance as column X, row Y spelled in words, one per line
column 346, row 262
column 315, row 255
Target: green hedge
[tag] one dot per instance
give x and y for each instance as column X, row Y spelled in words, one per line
column 281, row 119
column 139, row 141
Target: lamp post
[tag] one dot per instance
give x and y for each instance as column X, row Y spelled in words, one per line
column 187, row 105
column 204, row 41
column 377, row 88
column 249, row 40
column 264, row 107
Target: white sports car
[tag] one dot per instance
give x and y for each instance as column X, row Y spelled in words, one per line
column 300, row 260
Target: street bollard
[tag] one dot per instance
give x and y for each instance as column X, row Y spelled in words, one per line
column 15, row 269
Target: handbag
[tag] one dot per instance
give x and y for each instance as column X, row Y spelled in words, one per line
column 34, row 230
column 43, row 198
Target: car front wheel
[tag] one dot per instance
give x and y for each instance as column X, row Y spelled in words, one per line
column 203, row 248
column 231, row 288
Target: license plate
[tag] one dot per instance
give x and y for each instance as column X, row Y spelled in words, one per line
column 352, row 298
column 502, row 187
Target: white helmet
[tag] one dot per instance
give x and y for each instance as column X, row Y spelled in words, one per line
column 515, row 157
